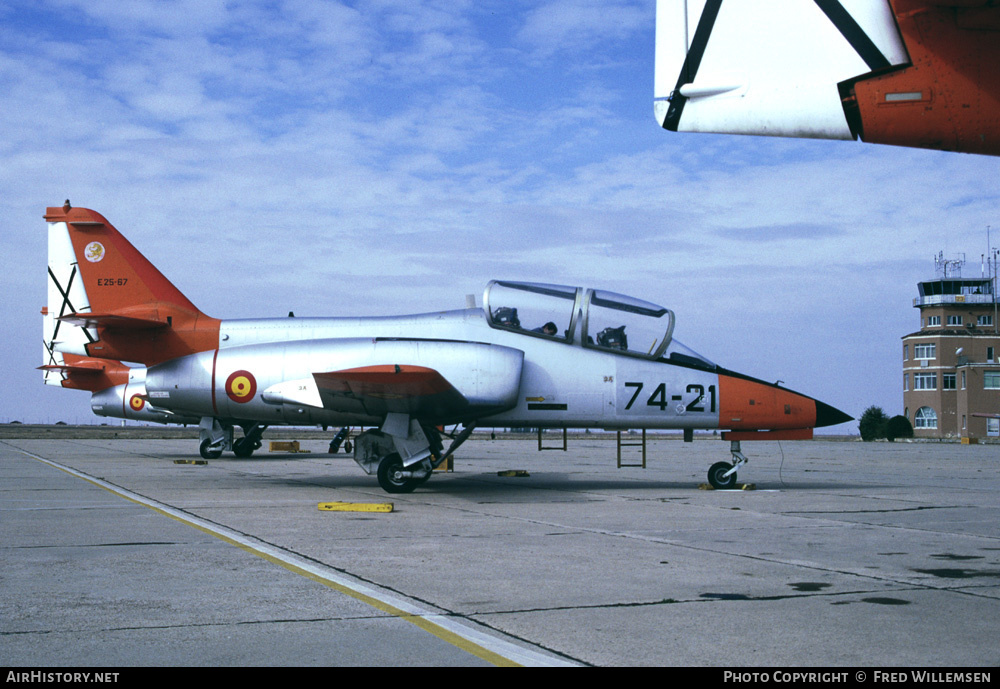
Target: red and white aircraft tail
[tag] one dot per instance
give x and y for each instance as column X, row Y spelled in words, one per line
column 921, row 73
column 107, row 301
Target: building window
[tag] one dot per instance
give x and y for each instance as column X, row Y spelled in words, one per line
column 925, row 418
column 955, row 320
column 927, row 350
column 948, row 381
column 989, row 355
column 933, row 321
column 984, row 320
column 906, row 352
column 992, row 426
column 963, row 380
column 906, row 382
column 925, row 381
column 964, row 426
column 991, row 380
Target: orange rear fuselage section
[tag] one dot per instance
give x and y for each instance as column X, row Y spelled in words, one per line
column 185, row 335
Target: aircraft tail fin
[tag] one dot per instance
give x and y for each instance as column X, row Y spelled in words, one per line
column 107, row 301
column 767, row 68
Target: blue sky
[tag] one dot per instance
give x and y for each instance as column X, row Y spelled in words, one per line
column 389, row 157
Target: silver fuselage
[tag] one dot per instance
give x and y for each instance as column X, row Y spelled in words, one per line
column 508, row 377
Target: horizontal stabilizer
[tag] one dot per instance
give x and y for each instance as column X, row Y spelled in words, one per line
column 84, row 366
column 84, row 373
column 112, row 320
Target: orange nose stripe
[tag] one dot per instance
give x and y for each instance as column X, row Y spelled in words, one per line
column 750, row 405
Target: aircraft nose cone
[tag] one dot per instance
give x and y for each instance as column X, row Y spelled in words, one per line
column 829, row 416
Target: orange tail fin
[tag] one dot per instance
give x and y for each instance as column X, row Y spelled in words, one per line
column 122, row 306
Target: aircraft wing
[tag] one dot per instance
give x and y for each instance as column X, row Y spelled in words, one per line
column 426, row 379
column 415, row 390
column 923, row 73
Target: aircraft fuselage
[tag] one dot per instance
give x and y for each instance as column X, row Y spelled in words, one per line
column 529, row 381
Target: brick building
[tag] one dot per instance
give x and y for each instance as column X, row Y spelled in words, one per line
column 951, row 374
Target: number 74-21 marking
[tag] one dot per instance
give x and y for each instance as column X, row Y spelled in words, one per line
column 659, row 397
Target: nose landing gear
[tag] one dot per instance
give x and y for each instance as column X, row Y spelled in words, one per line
column 722, row 475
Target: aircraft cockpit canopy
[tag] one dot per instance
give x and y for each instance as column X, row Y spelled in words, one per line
column 599, row 319
column 533, row 308
column 617, row 322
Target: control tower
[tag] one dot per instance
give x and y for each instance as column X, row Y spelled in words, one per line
column 951, row 376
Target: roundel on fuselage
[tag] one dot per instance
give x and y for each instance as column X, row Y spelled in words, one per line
column 241, row 386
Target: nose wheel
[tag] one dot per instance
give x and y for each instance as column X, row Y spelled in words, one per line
column 722, row 475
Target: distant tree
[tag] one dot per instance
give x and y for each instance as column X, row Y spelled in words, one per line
column 872, row 424
column 898, row 427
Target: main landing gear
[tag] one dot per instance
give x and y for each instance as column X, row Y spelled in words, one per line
column 217, row 436
column 404, row 453
column 343, row 437
column 722, row 475
column 394, row 478
column 400, row 462
column 208, row 451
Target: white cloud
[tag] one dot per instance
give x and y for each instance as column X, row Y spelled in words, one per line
column 582, row 25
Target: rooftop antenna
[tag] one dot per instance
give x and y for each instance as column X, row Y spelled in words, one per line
column 948, row 268
column 991, row 261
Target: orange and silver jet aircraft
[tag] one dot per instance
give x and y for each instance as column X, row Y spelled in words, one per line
column 535, row 355
column 919, row 73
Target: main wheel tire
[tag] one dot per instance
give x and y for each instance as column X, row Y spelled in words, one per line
column 208, row 453
column 387, row 478
column 716, row 476
column 244, row 448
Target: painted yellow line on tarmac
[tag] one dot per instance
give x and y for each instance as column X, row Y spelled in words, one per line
column 356, row 506
column 447, row 628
